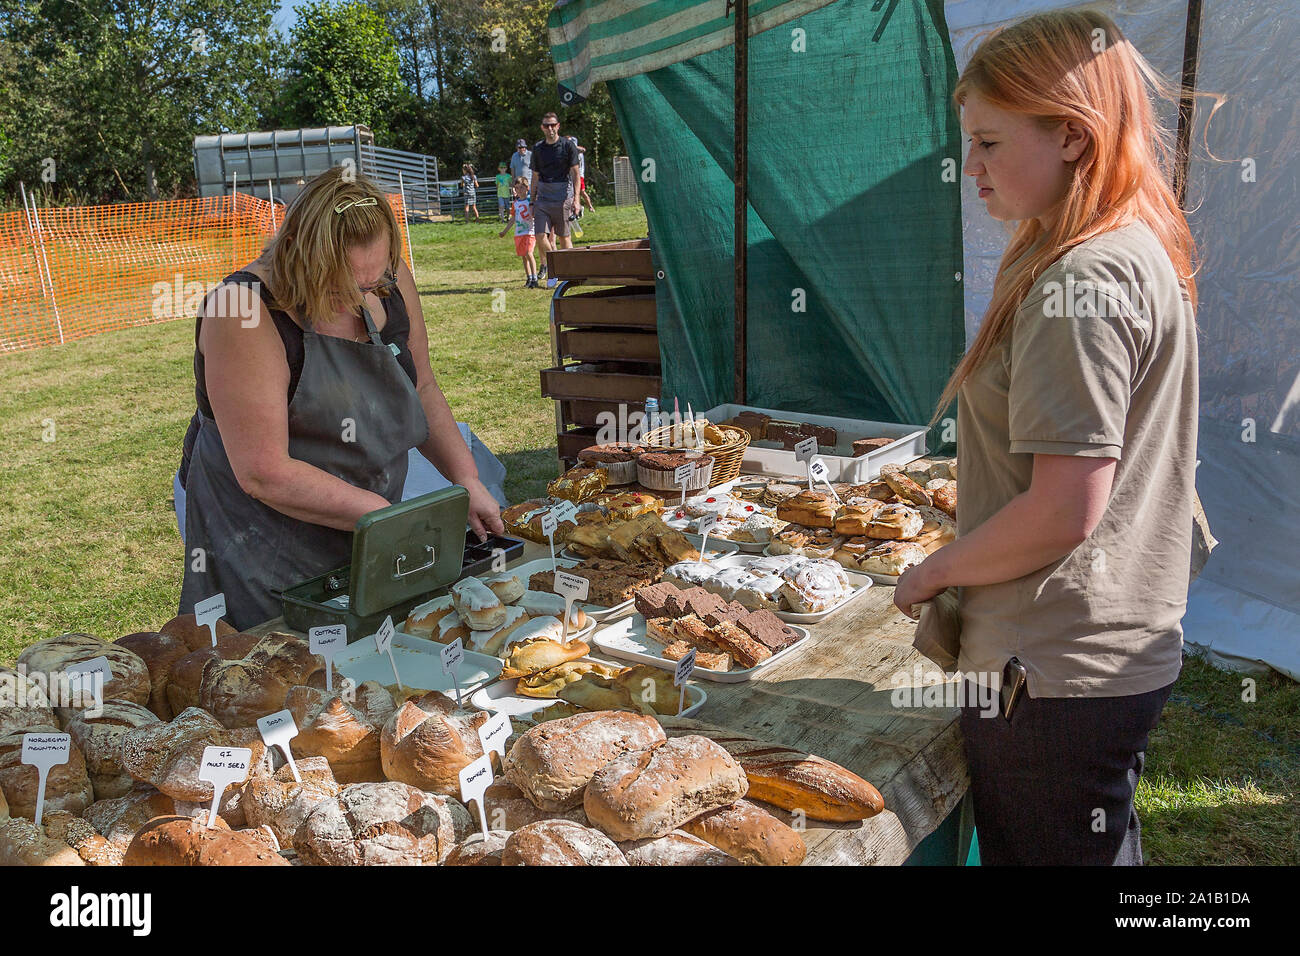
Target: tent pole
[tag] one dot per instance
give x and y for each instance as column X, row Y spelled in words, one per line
column 741, row 124
column 1187, row 99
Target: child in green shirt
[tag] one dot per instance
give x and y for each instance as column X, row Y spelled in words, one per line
column 505, row 183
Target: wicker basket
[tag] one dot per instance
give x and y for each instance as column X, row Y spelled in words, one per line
column 726, row 458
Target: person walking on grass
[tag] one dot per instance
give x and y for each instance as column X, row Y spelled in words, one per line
column 522, row 215
column 469, row 185
column 521, row 161
column 554, row 186
column 505, row 186
column 582, row 180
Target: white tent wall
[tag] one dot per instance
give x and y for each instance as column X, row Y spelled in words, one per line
column 1244, row 608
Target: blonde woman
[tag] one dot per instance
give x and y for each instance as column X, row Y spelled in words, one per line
column 312, row 380
column 1076, row 441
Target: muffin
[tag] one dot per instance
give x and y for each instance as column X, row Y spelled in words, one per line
column 618, row 459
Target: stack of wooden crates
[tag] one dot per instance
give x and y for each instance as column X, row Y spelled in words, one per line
column 604, row 340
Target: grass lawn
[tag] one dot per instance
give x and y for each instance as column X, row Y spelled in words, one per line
column 88, row 539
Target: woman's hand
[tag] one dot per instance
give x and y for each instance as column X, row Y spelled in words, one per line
column 915, row 586
column 484, row 511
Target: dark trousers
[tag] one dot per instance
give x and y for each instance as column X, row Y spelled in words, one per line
column 1054, row 785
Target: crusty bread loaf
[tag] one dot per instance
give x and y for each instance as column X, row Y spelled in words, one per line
column 78, row 834
column 118, row 819
column 186, row 673
column 186, row 841
column 168, row 756
column 678, row 848
column 66, row 788
column 196, row 638
column 100, row 741
column 750, row 834
column 552, row 762
column 649, row 794
column 239, row 693
column 506, row 808
column 23, row 843
column 789, row 778
column 477, row 851
column 381, row 824
column 159, row 652
column 282, row 803
column 344, row 733
column 560, row 843
column 427, row 743
column 56, row 654
column 35, row 711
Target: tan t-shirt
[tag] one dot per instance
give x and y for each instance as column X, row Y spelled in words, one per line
column 1101, row 362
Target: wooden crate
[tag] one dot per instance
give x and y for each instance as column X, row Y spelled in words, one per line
column 607, row 307
column 609, row 345
column 606, row 263
column 607, row 381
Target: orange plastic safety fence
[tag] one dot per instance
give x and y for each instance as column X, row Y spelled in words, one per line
column 70, row 272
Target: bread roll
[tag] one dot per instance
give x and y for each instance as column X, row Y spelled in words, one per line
column 678, row 848
column 100, row 741
column 423, row 621
column 239, row 693
column 791, row 779
column 345, row 734
column 196, row 638
column 477, row 605
column 650, row 794
column 552, row 762
column 560, row 843
column 507, row 586
column 118, row 819
column 18, row 688
column 477, row 851
column 66, row 788
column 186, row 841
column 282, row 803
column 159, row 652
column 906, row 488
column 186, row 673
column 55, row 655
column 506, row 808
column 168, row 756
column 381, row 824
column 428, row 742
column 23, row 843
column 750, row 834
column 80, row 836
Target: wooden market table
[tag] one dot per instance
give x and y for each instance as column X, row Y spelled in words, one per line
column 833, row 699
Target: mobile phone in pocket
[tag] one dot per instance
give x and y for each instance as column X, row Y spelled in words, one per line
column 1014, row 678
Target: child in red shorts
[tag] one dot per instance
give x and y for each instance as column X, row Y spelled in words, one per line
column 522, row 214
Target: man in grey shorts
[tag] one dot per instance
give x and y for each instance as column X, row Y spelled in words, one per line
column 554, row 186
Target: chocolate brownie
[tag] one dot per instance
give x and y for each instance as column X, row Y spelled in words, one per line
column 865, row 445
column 732, row 612
column 677, row 604
column 768, row 629
column 702, row 604
column 650, row 601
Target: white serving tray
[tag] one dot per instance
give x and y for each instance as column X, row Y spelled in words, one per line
column 626, row 639
column 888, row 579
column 501, row 697
column 726, row 544
column 419, row 662
column 908, row 445
column 593, row 611
column 861, row 582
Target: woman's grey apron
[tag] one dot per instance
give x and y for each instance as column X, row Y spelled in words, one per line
column 354, row 414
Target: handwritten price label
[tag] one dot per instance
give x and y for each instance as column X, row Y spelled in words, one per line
column 805, row 449
column 326, row 641
column 210, row 610
column 277, row 730
column 474, row 781
column 221, row 767
column 494, row 733
column 44, row 751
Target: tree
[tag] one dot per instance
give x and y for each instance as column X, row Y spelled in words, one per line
column 344, row 70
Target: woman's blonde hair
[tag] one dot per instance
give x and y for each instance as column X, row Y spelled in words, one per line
column 1076, row 65
column 338, row 210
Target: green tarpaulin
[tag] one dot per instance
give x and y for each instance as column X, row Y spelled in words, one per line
column 855, row 295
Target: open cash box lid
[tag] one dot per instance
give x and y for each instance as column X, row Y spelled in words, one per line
column 400, row 556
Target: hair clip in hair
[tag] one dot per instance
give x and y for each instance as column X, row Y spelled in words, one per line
column 344, row 206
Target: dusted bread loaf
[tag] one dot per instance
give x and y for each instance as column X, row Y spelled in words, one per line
column 16, row 688
column 560, row 843
column 168, row 755
column 239, row 693
column 552, row 762
column 55, row 655
column 187, row 841
column 100, row 741
column 80, row 836
column 119, row 819
column 159, row 652
column 66, row 788
column 429, row 741
column 477, row 851
column 346, row 734
column 282, row 803
column 381, row 824
column 23, row 843
column 186, row 673
column 678, row 848
column 750, row 834
column 506, row 808
column 650, row 794
column 196, row 638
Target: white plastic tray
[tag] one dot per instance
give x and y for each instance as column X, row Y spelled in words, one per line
column 626, row 639
column 501, row 697
column 860, row 583
column 419, row 663
column 681, row 524
column 593, row 611
column 888, row 579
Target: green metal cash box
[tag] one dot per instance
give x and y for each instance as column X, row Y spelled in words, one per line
column 402, row 556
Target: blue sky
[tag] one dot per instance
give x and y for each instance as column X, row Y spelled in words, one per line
column 285, row 18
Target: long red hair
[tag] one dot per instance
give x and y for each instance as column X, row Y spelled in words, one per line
column 1076, row 65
